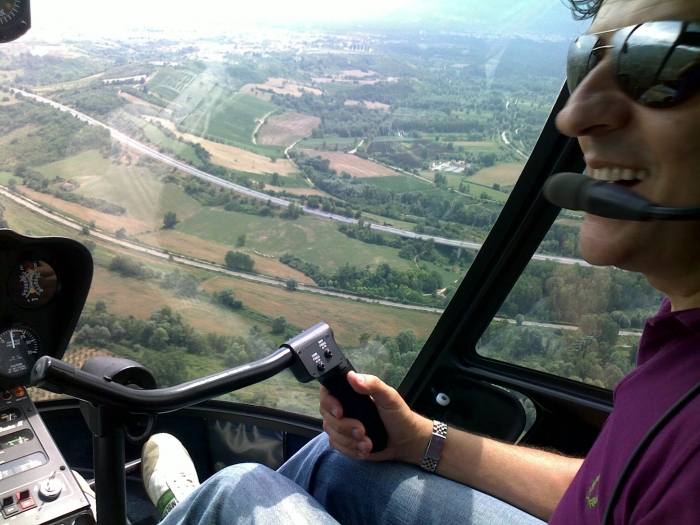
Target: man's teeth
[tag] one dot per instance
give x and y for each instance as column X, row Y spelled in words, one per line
column 615, row 174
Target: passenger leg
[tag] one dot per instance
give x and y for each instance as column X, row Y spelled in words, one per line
column 248, row 494
column 392, row 493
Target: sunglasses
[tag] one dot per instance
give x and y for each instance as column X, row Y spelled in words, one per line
column 657, row 64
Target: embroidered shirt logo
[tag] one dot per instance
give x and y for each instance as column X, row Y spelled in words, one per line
column 591, row 500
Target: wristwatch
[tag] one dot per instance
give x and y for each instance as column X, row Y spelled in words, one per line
column 434, row 450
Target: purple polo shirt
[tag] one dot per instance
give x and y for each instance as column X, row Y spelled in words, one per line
column 664, row 486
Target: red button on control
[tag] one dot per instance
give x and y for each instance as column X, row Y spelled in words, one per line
column 19, row 391
column 27, row 504
column 6, row 394
column 25, row 500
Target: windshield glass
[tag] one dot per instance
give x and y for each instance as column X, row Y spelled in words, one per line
column 241, row 172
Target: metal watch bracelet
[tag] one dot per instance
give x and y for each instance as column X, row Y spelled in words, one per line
column 434, row 450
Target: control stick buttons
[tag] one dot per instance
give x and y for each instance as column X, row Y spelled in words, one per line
column 19, row 391
column 50, row 489
column 6, row 395
column 328, row 353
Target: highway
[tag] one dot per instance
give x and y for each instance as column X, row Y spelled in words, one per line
column 191, row 170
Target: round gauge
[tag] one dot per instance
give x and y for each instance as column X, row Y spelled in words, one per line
column 9, row 11
column 19, row 349
column 32, row 284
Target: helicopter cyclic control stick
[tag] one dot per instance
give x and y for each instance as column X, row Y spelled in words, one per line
column 318, row 357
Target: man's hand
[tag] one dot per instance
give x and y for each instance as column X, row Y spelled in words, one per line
column 408, row 433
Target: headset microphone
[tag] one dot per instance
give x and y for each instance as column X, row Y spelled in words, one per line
column 574, row 191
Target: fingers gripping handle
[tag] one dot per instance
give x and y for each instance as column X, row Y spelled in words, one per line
column 319, row 357
column 357, row 406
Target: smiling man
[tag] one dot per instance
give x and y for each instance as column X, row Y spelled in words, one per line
column 636, row 114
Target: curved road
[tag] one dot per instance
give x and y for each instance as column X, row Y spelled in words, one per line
column 154, row 154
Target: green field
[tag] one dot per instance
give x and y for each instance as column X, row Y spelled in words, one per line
column 490, row 148
column 170, row 83
column 474, row 188
column 404, row 225
column 231, row 119
column 86, row 164
column 301, row 237
column 343, row 143
column 5, row 177
column 24, row 221
column 505, row 174
column 398, row 183
column 186, row 89
column 156, row 136
column 393, row 138
column 138, row 189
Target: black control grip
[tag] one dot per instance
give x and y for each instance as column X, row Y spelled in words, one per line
column 356, row 406
column 319, row 357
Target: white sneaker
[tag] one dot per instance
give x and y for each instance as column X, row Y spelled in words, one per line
column 167, row 471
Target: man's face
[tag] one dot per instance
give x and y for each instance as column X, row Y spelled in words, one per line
column 616, row 132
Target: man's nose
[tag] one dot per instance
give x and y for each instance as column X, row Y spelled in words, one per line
column 597, row 105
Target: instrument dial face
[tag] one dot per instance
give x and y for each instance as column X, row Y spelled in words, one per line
column 9, row 11
column 32, row 284
column 19, row 349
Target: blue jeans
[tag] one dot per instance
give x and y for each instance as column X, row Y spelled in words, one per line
column 321, row 486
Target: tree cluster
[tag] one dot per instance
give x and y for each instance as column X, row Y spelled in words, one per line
column 239, row 261
column 553, row 292
column 416, row 285
column 163, row 341
column 129, row 267
column 58, row 135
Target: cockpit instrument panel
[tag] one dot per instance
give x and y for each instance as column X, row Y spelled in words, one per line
column 44, row 282
column 15, row 19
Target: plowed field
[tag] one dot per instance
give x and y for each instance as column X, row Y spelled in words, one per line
column 354, row 165
column 287, row 128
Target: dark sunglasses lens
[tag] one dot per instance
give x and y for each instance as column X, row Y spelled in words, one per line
column 581, row 59
column 654, row 72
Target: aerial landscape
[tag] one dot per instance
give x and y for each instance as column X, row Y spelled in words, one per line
column 237, row 188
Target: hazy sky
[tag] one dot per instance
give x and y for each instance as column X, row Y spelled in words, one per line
column 110, row 17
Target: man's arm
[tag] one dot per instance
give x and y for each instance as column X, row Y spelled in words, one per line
column 532, row 480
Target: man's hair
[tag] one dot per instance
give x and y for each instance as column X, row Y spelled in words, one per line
column 584, row 9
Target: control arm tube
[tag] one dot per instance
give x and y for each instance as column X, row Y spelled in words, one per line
column 64, row 378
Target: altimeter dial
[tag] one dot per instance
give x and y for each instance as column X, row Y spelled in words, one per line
column 19, row 349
